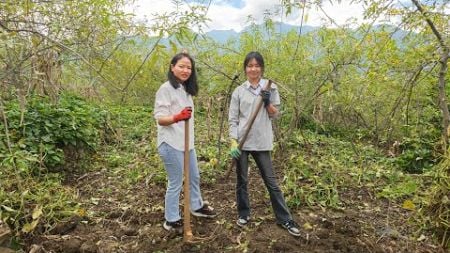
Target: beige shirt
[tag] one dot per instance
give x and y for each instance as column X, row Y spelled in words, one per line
column 170, row 101
column 243, row 102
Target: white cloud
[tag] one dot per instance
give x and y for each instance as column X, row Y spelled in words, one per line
column 341, row 13
column 144, row 9
column 223, row 16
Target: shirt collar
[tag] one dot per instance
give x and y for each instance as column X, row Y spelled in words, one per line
column 181, row 86
column 260, row 84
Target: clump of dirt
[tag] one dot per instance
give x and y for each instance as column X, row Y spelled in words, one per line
column 123, row 219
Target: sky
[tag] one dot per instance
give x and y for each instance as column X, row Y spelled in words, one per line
column 233, row 14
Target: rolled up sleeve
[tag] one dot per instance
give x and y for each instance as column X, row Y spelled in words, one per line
column 162, row 104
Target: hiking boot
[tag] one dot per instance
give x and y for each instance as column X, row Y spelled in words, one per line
column 242, row 221
column 291, row 227
column 205, row 211
column 173, row 226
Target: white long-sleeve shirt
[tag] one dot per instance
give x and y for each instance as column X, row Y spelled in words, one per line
column 244, row 101
column 170, row 101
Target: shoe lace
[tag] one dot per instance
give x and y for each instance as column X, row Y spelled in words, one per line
column 177, row 223
column 291, row 224
column 207, row 208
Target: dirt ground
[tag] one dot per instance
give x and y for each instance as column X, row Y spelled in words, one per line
column 124, row 219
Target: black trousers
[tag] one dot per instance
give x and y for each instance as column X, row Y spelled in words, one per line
column 264, row 163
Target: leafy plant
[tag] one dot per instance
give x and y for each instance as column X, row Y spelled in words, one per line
column 40, row 138
column 418, row 154
column 52, row 132
column 402, row 187
column 30, row 203
column 437, row 205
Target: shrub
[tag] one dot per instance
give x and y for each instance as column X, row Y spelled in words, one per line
column 49, row 131
column 41, row 138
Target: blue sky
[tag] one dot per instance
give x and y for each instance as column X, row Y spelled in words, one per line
column 233, row 3
column 236, row 3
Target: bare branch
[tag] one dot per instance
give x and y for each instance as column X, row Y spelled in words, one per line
column 431, row 24
column 62, row 46
column 5, row 123
column 139, row 68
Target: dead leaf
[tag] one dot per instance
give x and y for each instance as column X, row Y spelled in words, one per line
column 307, row 226
column 29, row 226
column 409, row 205
column 37, row 212
column 421, row 238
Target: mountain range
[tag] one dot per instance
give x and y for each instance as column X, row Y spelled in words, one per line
column 222, row 36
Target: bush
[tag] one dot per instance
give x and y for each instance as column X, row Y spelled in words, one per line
column 41, row 137
column 437, row 206
column 47, row 131
column 417, row 154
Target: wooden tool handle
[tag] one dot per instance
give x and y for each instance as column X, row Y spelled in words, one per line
column 187, row 231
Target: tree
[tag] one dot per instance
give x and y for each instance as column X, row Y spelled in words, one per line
column 428, row 19
column 39, row 36
column 443, row 62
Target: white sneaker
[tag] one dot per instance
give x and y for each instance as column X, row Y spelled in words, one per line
column 242, row 221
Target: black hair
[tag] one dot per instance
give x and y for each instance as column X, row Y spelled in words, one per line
column 190, row 84
column 257, row 56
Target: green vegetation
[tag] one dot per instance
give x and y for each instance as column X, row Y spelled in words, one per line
column 362, row 108
column 39, row 143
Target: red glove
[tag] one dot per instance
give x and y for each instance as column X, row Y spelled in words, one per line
column 185, row 114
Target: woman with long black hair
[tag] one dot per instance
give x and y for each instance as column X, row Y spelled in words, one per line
column 173, row 106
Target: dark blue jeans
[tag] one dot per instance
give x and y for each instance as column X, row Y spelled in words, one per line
column 264, row 163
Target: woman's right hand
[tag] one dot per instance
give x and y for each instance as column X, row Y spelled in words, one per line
column 185, row 114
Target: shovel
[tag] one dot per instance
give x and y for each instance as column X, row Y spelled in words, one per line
column 187, row 231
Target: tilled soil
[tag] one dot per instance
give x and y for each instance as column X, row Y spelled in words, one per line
column 121, row 218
